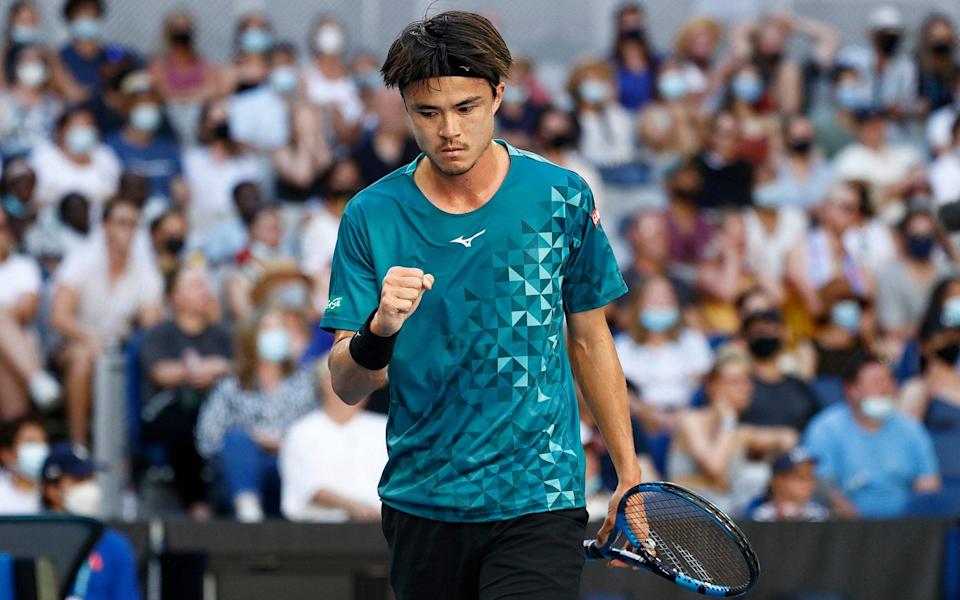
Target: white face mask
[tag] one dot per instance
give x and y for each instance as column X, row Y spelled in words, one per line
column 30, row 458
column 83, row 499
column 877, row 408
column 330, row 39
column 32, row 73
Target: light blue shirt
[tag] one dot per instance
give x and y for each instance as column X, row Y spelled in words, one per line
column 876, row 470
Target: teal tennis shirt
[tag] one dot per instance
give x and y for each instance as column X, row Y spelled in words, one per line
column 483, row 422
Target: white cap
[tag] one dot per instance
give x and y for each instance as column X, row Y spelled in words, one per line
column 886, row 17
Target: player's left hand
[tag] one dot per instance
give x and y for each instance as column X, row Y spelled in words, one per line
column 608, row 524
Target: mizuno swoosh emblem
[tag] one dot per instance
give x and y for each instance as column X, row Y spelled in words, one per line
column 468, row 241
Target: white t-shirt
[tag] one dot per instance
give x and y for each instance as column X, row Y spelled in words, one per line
column 888, row 166
column 607, row 138
column 211, row 185
column 104, row 307
column 19, row 275
column 938, row 127
column 340, row 92
column 945, row 177
column 870, row 244
column 767, row 252
column 318, row 240
column 320, row 454
column 57, row 175
column 667, row 375
column 14, row 501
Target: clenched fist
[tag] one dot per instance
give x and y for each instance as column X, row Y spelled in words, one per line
column 402, row 289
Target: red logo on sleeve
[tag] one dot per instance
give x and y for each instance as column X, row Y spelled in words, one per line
column 595, row 217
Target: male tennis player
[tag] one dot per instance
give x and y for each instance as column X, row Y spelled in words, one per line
column 458, row 271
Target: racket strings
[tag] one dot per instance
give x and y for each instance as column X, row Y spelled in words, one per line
column 685, row 539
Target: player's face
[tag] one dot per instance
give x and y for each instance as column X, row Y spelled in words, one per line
column 452, row 120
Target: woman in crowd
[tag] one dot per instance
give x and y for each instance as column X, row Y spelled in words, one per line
column 328, row 82
column 28, row 108
column 252, row 40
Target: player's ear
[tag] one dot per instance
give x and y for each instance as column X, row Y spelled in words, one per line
column 498, row 96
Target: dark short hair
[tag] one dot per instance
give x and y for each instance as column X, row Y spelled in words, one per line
column 858, row 363
column 10, row 430
column 453, row 43
column 71, row 7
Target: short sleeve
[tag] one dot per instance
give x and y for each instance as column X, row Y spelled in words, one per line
column 591, row 276
column 354, row 288
column 817, row 440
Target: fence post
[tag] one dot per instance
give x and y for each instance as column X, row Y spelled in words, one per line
column 110, row 430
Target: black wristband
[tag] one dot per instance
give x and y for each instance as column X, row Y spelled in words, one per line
column 370, row 350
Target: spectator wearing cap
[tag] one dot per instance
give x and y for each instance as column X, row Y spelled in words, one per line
column 108, row 267
column 883, row 165
column 86, row 54
column 182, row 358
column 75, row 161
column 790, row 496
column 779, row 399
column 23, row 450
column 904, row 284
column 331, row 461
column 144, row 146
column 70, row 487
column 945, row 170
column 28, row 107
column 21, row 369
column 871, row 456
column 888, row 76
column 713, row 452
column 245, row 419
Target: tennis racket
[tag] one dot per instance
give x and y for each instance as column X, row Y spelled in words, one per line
column 680, row 536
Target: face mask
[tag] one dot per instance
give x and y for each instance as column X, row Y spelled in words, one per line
column 221, row 131
column 81, row 140
column 561, row 141
column 659, row 320
column 24, row 35
column 514, row 94
column 30, row 459
column 255, row 40
column 850, row 96
column 83, row 499
column 294, row 296
column 950, row 313
column 173, row 245
column 672, row 86
column 801, row 146
column 182, row 37
column 764, row 347
column 273, row 345
column 941, row 48
column 877, row 408
column 85, row 28
column 747, row 88
column 330, row 39
column 593, row 91
column 949, row 354
column 145, row 117
column 32, row 73
column 847, row 315
column 920, row 246
column 767, row 195
column 283, row 80
column 887, row 43
column 14, row 207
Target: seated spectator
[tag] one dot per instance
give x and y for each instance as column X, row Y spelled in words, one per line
column 182, row 359
column 331, row 461
column 282, row 286
column 23, row 28
column 834, row 119
column 76, row 161
column 265, row 246
column 518, row 113
column 933, row 396
column 107, row 267
column 85, row 55
column 779, row 399
column 713, row 453
column 904, row 284
column 727, row 178
column 635, row 68
column 843, row 335
column 870, row 240
column 606, row 128
column 73, row 222
column 668, row 127
column 143, row 147
column 661, row 357
column 327, row 78
column 791, row 491
column 695, row 44
column 168, row 233
column 689, row 229
column 18, row 185
column 870, row 454
column 246, row 418
column 802, row 172
column 28, row 108
column 758, row 129
column 940, row 134
column 938, row 71
column 556, row 136
column 945, row 171
column 21, row 368
column 390, row 145
column 70, row 488
column 228, row 238
column 252, row 39
column 23, row 450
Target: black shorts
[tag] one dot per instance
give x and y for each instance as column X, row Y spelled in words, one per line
column 532, row 556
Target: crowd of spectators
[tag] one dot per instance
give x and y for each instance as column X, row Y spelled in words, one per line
column 779, row 199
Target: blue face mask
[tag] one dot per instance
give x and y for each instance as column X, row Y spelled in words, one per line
column 284, row 79
column 14, row 207
column 256, row 40
column 81, row 140
column 847, row 315
column 273, row 345
column 514, row 94
column 950, row 313
column 850, row 96
column 767, row 195
column 747, row 88
column 24, row 35
column 86, row 28
column 658, row 320
column 594, row 91
column 146, row 117
column 672, row 86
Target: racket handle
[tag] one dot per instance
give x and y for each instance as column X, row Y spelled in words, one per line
column 591, row 552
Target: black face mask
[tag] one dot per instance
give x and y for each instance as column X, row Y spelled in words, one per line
column 220, row 131
column 173, row 245
column 941, row 48
column 560, row 141
column 181, row 37
column 920, row 246
column 801, row 146
column 887, row 43
column 949, row 354
column 764, row 347
column 682, row 193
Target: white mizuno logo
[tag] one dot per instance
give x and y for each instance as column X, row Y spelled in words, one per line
column 468, row 241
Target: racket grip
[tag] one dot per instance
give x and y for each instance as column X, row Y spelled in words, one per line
column 591, row 552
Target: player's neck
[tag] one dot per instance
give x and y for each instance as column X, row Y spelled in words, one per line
column 470, row 190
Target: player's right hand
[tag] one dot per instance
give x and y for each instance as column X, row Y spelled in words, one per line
column 400, row 295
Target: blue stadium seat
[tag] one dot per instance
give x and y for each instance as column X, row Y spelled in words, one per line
column 945, row 503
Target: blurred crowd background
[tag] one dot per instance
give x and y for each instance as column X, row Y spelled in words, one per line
column 781, row 199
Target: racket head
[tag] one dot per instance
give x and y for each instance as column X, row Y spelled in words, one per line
column 695, row 544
